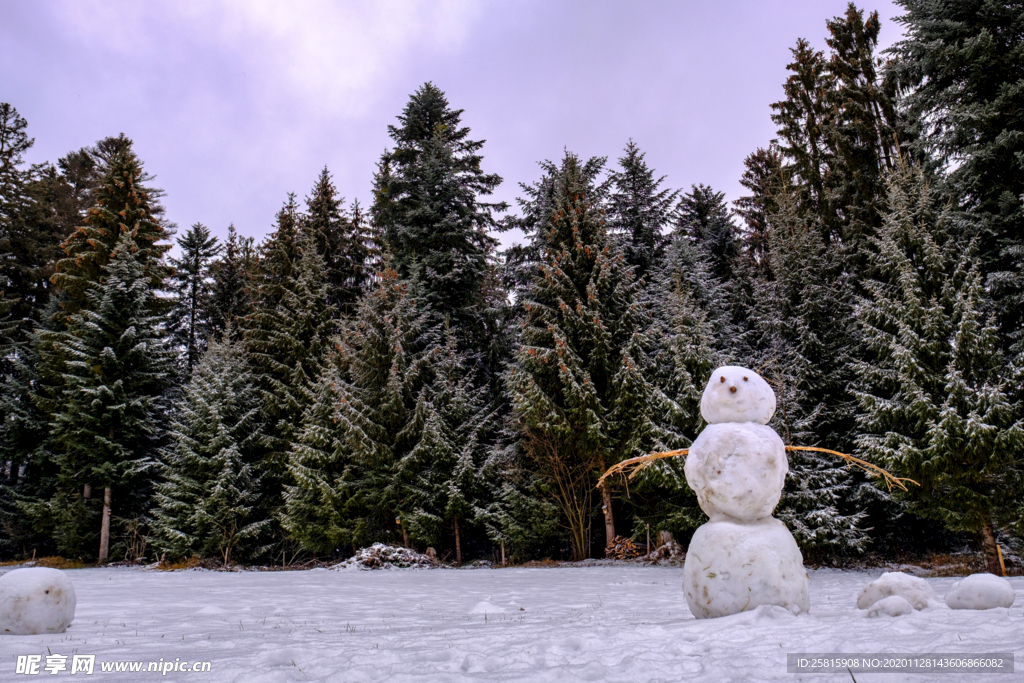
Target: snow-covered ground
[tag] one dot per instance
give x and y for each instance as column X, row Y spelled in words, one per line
column 601, row 623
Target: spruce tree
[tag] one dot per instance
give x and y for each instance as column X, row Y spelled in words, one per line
column 428, row 205
column 14, row 142
column 444, row 466
column 762, row 176
column 316, row 512
column 382, row 409
column 934, row 393
column 684, row 352
column 124, row 204
column 229, row 300
column 961, row 65
column 287, row 345
column 800, row 334
column 577, row 382
column 190, row 320
column 839, row 130
column 342, row 241
column 639, row 210
column 110, row 420
column 704, row 218
column 205, row 505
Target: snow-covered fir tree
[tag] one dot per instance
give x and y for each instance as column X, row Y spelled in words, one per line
column 639, row 210
column 343, row 241
column 429, row 204
column 190, row 319
column 801, row 336
column 935, row 390
column 205, row 504
column 287, row 344
column 229, row 292
column 577, row 382
column 124, row 202
column 316, row 513
column 443, row 468
column 682, row 357
column 110, row 419
column 383, row 405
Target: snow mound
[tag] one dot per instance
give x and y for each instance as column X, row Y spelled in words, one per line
column 732, row 568
column 35, row 601
column 484, row 607
column 381, row 556
column 914, row 590
column 981, row 591
column 894, row 606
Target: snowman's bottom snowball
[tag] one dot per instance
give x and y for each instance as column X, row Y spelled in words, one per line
column 732, row 567
column 35, row 601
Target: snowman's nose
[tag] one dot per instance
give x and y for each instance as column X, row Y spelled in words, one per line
column 732, row 390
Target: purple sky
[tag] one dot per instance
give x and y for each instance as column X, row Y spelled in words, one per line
column 234, row 104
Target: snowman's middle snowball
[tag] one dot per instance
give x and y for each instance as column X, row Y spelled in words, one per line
column 737, row 470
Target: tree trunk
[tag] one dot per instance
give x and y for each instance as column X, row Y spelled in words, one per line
column 458, row 542
column 606, row 507
column 503, row 553
column 105, row 529
column 988, row 540
column 87, row 492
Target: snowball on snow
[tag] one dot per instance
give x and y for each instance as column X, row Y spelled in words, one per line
column 736, row 394
column 914, row 590
column 894, row 606
column 737, row 470
column 36, row 600
column 732, row 568
column 981, row 591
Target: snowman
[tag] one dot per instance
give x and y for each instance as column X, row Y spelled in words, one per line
column 743, row 557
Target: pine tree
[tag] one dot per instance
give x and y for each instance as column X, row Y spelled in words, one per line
column 683, row 355
column 444, row 465
column 229, row 293
column 704, row 218
column 315, row 513
column 428, row 206
column 960, row 64
column 934, row 399
column 839, row 130
column 382, row 409
column 14, row 142
column 801, row 335
column 124, row 204
column 762, row 176
column 205, row 505
column 639, row 210
column 287, row 345
column 110, row 420
column 342, row 241
column 190, row 320
column 577, row 382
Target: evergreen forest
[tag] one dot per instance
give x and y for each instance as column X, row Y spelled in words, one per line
column 386, row 373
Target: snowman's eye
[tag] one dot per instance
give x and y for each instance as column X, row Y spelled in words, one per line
column 744, row 379
column 722, row 379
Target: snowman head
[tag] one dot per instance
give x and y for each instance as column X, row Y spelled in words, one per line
column 736, row 394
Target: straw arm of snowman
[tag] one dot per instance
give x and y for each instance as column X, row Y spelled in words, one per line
column 738, row 395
